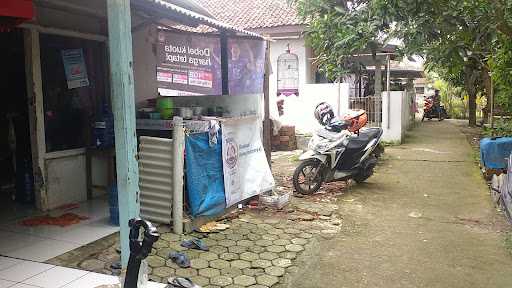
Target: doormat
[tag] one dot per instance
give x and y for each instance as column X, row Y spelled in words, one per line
column 63, row 220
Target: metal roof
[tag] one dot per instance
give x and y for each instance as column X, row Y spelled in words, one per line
column 196, row 17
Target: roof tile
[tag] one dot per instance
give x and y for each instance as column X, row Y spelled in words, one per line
column 252, row 14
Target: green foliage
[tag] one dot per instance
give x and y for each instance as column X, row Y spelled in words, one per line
column 502, row 127
column 453, row 98
column 501, row 67
column 456, row 37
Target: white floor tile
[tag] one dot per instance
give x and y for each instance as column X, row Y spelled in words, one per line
column 88, row 233
column 24, row 270
column 10, row 241
column 43, row 250
column 55, row 277
column 6, row 262
column 92, row 280
column 5, row 283
column 45, row 231
column 21, row 285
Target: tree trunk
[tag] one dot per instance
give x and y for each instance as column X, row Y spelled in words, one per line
column 487, row 84
column 470, row 76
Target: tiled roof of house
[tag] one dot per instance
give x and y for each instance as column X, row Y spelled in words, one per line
column 252, row 14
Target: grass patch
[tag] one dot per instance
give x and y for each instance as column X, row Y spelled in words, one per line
column 508, row 242
column 295, row 158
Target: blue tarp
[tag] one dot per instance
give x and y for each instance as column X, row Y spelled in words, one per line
column 205, row 178
column 494, row 151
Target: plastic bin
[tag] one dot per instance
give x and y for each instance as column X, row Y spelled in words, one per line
column 113, row 205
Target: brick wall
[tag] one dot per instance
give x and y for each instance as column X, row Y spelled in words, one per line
column 285, row 140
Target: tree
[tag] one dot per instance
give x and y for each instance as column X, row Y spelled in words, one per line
column 455, row 36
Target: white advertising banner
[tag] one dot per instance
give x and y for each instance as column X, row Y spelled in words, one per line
column 246, row 170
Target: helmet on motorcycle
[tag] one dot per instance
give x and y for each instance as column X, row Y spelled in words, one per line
column 324, row 113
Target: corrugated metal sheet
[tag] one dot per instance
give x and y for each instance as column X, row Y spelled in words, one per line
column 195, row 16
column 155, row 179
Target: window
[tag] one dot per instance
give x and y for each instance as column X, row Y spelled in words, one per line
column 69, row 107
column 288, row 74
column 420, row 90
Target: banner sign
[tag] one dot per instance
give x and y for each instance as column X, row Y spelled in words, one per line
column 246, row 64
column 74, row 67
column 246, row 170
column 188, row 64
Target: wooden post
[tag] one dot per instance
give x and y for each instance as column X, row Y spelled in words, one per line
column 123, row 105
column 36, row 114
column 267, row 133
column 224, row 62
column 491, row 99
column 178, row 140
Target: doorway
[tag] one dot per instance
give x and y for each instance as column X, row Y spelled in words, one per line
column 68, row 111
column 16, row 180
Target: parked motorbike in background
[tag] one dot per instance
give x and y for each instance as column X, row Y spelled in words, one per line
column 341, row 150
column 431, row 110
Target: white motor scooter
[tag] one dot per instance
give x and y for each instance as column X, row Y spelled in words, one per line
column 342, row 150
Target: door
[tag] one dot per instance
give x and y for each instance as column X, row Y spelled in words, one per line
column 73, row 84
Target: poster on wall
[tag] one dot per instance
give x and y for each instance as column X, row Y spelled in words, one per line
column 246, row 170
column 74, row 67
column 246, row 64
column 188, row 64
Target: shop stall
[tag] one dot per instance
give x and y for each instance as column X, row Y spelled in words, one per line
column 214, row 83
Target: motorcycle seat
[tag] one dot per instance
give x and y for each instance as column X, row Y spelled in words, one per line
column 365, row 136
column 370, row 133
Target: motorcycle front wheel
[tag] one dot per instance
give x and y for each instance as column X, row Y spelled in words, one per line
column 307, row 178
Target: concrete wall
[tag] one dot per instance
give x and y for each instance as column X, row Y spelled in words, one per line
column 394, row 122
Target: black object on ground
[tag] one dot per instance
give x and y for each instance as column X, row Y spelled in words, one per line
column 195, row 244
column 180, row 259
column 179, row 282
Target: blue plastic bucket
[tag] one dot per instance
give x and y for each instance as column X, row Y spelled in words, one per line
column 113, row 205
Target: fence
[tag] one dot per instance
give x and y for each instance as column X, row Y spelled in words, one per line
column 373, row 107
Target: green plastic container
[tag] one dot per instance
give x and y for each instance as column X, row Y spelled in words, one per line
column 166, row 113
column 165, row 105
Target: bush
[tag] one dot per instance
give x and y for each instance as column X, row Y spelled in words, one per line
column 502, row 127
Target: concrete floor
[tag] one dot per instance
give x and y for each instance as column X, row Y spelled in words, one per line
column 424, row 220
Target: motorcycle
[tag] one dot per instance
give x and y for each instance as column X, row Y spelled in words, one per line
column 340, row 151
column 139, row 249
column 431, row 111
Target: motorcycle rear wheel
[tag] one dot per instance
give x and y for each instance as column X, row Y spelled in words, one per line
column 366, row 173
column 308, row 178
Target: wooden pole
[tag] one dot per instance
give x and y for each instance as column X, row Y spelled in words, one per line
column 123, row 104
column 267, row 133
column 491, row 99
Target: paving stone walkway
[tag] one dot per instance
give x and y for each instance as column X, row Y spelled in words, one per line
column 261, row 248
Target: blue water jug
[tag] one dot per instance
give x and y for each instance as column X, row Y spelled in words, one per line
column 104, row 129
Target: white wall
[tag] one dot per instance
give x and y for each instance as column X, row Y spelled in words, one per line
column 298, row 111
column 395, row 131
column 298, row 47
